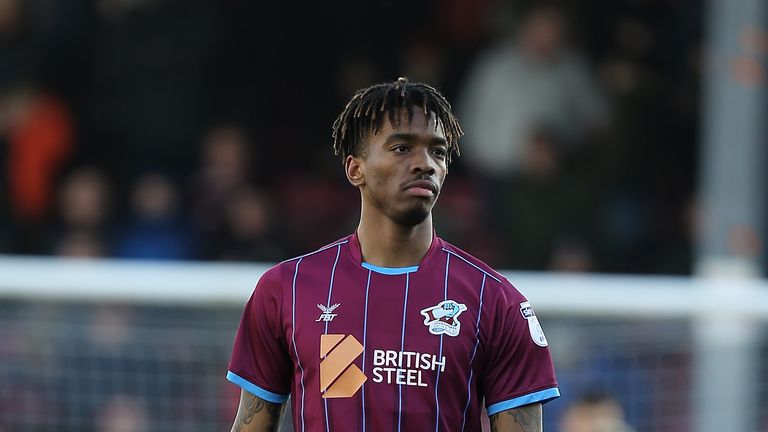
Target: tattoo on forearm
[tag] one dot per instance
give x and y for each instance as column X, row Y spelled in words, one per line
column 250, row 406
column 525, row 419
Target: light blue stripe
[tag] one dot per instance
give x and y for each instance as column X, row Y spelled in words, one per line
column 293, row 338
column 328, row 305
column 440, row 356
column 473, row 265
column 390, row 270
column 402, row 348
column 365, row 334
column 542, row 396
column 474, row 351
column 256, row 390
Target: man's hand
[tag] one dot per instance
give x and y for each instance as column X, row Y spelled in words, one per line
column 526, row 418
column 257, row 415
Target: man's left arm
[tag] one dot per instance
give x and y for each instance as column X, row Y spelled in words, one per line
column 526, row 418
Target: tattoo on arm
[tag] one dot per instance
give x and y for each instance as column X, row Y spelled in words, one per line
column 251, row 408
column 524, row 419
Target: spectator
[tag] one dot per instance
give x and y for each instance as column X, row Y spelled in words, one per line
column 541, row 208
column 155, row 229
column 82, row 228
column 594, row 412
column 249, row 233
column 523, row 83
column 225, row 169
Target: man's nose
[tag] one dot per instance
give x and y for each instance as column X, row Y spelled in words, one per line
column 422, row 162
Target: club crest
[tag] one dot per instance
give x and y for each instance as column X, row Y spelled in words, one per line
column 443, row 318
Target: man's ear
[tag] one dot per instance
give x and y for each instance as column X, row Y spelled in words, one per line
column 353, row 166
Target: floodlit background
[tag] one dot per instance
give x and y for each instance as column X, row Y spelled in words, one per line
column 157, row 155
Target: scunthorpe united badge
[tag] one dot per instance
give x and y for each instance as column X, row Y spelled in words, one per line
column 443, row 318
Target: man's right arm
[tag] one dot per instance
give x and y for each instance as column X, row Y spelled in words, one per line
column 257, row 415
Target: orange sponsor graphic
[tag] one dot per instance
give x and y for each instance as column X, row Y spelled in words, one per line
column 339, row 378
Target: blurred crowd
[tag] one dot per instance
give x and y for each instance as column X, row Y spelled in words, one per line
column 170, row 129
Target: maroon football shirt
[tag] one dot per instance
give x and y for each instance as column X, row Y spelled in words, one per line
column 366, row 348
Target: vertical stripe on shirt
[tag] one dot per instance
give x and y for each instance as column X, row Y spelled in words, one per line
column 474, row 351
column 440, row 355
column 293, row 337
column 328, row 305
column 402, row 348
column 365, row 334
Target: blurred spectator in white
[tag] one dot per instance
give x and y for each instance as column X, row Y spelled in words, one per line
column 594, row 412
column 526, row 81
column 154, row 228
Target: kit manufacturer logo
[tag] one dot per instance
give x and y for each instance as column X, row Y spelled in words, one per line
column 327, row 314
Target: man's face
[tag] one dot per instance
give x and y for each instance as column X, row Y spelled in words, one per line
column 403, row 168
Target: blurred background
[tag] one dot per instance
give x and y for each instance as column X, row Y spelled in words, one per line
column 141, row 140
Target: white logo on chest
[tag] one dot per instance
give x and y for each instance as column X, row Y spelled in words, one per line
column 327, row 312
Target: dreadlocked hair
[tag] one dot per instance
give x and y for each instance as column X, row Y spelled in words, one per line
column 365, row 113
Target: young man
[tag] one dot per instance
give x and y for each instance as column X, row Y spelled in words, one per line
column 391, row 328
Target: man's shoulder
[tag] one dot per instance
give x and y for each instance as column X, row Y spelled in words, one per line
column 282, row 272
column 319, row 252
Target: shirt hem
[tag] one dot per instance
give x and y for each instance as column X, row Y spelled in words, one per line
column 256, row 390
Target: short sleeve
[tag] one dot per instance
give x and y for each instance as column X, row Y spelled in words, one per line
column 519, row 369
column 260, row 362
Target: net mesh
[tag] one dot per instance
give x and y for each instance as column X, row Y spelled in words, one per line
column 130, row 368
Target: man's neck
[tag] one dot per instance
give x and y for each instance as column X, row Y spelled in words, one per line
column 387, row 244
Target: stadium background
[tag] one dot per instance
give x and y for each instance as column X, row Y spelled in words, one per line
column 169, row 131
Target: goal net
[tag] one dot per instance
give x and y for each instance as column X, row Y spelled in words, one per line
column 123, row 347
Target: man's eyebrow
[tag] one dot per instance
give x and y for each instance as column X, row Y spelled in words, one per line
column 405, row 136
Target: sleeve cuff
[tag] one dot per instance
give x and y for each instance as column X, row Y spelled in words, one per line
column 256, row 390
column 541, row 396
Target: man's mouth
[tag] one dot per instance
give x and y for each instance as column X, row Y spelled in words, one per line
column 422, row 188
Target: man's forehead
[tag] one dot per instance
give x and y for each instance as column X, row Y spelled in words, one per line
column 415, row 123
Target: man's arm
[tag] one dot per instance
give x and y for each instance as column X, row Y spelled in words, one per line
column 257, row 415
column 526, row 418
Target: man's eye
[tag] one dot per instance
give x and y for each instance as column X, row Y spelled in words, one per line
column 440, row 152
column 401, row 148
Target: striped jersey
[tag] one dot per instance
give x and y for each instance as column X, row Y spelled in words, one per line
column 364, row 348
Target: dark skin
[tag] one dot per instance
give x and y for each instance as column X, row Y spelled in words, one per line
column 399, row 174
column 526, row 418
column 257, row 415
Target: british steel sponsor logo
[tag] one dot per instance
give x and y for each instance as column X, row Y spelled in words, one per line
column 339, row 378
column 405, row 367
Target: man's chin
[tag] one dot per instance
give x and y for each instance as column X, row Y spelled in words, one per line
column 412, row 217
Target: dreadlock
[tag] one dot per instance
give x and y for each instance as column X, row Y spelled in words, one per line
column 367, row 109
